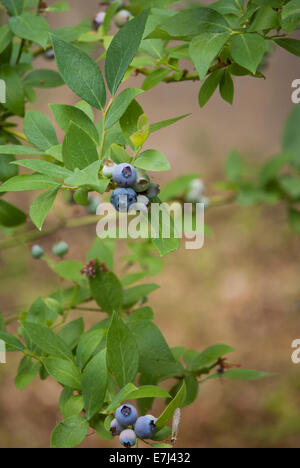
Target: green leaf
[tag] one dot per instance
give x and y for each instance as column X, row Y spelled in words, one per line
column 43, row 79
column 39, row 130
column 168, row 413
column 248, row 50
column 143, row 313
column 69, row 270
column 88, row 177
column 27, row 371
column 73, row 406
column 162, row 434
column 94, row 384
column 291, row 185
column 43, row 312
column 107, row 291
column 118, row 154
column 79, row 150
column 80, row 73
column 65, row 372
column 148, row 391
column 291, row 45
column 13, row 344
column 272, row 168
column 194, row 21
column 156, row 357
column 119, row 105
column 87, row 345
column 242, row 374
column 136, row 293
column 291, row 136
column 72, row 332
column 165, row 123
column 235, row 167
column 177, row 187
column 64, row 115
column 129, row 121
column 31, row 27
column 103, row 250
column 14, row 7
column 10, row 215
column 209, row 86
column 290, row 16
column 7, row 170
column 19, row 149
column 41, row 206
column 44, row 167
column 122, row 50
column 152, row 160
column 205, row 48
column 227, row 87
column 155, row 78
column 28, row 182
column 58, row 7
column 47, row 340
column 265, row 18
column 14, row 90
column 159, row 445
column 210, row 356
column 69, row 433
column 122, row 353
column 5, row 37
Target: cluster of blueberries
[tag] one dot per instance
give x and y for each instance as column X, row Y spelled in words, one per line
column 134, row 185
column 60, row 250
column 127, row 415
column 121, row 17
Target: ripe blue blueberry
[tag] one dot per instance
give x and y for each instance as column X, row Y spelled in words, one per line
column 142, row 182
column 37, row 252
column 128, row 438
column 145, row 427
column 126, row 415
column 123, row 198
column 152, row 191
column 115, row 428
column 122, row 17
column 124, row 174
column 60, row 249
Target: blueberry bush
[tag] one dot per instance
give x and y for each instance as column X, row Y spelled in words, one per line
column 124, row 356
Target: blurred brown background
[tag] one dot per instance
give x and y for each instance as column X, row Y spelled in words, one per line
column 241, row 289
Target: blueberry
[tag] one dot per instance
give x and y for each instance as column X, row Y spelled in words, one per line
column 37, row 252
column 92, row 205
column 115, row 428
column 122, row 17
column 145, row 427
column 143, row 199
column 99, row 19
column 108, row 168
column 128, row 198
column 126, row 415
column 142, row 182
column 124, row 174
column 49, row 54
column 60, row 249
column 152, row 191
column 127, row 438
column 195, row 191
column 205, row 201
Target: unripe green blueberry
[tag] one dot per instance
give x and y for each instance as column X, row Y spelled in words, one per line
column 142, row 182
column 93, row 203
column 60, row 249
column 108, row 168
column 122, row 17
column 37, row 252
